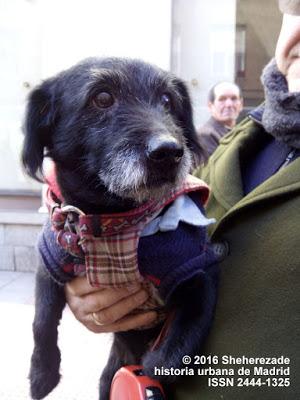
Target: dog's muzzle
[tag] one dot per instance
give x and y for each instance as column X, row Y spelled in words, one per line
column 162, row 150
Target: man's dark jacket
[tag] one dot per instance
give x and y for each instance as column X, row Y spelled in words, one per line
column 210, row 134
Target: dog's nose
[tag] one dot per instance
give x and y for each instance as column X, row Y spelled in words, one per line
column 164, row 149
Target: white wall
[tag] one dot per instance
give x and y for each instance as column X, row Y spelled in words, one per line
column 40, row 37
column 72, row 30
column 19, row 65
column 203, row 46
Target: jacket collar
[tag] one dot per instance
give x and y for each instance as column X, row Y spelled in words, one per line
column 218, row 126
column 225, row 174
column 257, row 113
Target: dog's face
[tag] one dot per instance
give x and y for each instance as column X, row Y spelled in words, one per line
column 116, row 129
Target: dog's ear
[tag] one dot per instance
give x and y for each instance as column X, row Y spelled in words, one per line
column 41, row 113
column 185, row 117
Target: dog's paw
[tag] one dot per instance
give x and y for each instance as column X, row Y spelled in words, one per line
column 44, row 373
column 42, row 384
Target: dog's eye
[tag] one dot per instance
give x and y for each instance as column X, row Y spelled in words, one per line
column 103, row 100
column 166, row 101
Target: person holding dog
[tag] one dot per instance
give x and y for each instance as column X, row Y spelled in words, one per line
column 257, row 206
column 225, row 103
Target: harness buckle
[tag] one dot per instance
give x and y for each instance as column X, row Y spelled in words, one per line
column 52, row 208
column 72, row 216
column 65, row 217
column 71, row 209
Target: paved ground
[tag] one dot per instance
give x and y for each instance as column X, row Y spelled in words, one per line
column 83, row 353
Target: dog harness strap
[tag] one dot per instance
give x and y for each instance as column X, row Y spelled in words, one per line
column 164, row 330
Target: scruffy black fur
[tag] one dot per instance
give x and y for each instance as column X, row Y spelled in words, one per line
column 119, row 131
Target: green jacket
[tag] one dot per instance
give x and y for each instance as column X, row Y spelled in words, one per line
column 257, row 313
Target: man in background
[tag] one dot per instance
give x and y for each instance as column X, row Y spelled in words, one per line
column 225, row 104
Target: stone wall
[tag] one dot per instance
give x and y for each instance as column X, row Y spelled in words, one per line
column 18, row 236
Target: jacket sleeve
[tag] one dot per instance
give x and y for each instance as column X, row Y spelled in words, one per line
column 290, row 6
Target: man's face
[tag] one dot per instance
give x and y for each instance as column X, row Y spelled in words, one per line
column 288, row 51
column 227, row 104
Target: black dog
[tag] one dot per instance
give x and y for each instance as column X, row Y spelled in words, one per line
column 120, row 133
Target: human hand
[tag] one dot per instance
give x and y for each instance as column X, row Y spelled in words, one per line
column 106, row 310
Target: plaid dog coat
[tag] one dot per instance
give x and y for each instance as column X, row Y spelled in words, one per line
column 107, row 247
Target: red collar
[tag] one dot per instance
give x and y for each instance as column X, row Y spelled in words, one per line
column 113, row 223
